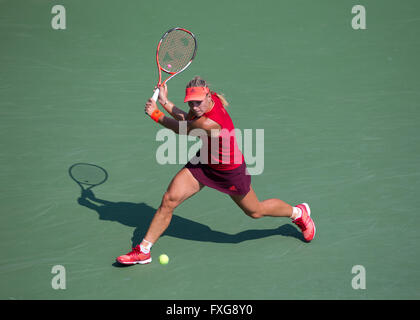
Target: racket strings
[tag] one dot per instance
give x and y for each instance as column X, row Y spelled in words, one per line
column 176, row 50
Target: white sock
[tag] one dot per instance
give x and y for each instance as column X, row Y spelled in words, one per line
column 145, row 246
column 297, row 213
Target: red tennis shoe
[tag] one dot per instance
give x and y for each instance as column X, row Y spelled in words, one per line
column 305, row 222
column 136, row 256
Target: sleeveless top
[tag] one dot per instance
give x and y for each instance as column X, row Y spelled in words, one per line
column 226, row 154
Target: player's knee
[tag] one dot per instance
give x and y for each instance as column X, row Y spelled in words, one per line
column 255, row 214
column 170, row 201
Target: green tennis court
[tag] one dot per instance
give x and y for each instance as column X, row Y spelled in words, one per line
column 341, row 116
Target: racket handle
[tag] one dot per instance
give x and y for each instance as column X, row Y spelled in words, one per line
column 155, row 95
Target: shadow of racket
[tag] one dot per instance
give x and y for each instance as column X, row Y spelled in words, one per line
column 87, row 176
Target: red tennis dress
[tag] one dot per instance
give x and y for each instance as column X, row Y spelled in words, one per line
column 222, row 166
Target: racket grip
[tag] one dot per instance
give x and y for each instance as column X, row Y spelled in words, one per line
column 155, row 95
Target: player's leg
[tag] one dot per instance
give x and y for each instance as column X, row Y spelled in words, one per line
column 182, row 187
column 277, row 208
column 254, row 208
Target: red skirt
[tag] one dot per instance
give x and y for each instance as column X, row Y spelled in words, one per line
column 232, row 182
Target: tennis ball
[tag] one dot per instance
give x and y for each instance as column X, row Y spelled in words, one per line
column 163, row 259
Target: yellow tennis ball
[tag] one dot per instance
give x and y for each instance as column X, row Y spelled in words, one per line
column 163, row 259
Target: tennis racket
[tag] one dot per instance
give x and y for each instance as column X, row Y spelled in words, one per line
column 175, row 52
column 87, row 175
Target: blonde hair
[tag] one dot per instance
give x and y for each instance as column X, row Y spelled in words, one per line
column 197, row 81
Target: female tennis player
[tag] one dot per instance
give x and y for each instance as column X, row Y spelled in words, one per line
column 222, row 168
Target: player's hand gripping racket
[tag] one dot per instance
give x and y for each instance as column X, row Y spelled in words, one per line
column 175, row 52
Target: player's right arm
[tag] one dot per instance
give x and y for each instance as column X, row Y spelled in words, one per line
column 169, row 106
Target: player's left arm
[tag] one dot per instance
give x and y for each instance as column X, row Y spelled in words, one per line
column 210, row 127
column 175, row 112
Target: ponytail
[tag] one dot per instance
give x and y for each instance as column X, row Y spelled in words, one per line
column 222, row 98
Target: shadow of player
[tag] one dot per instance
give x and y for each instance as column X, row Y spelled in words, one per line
column 140, row 215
